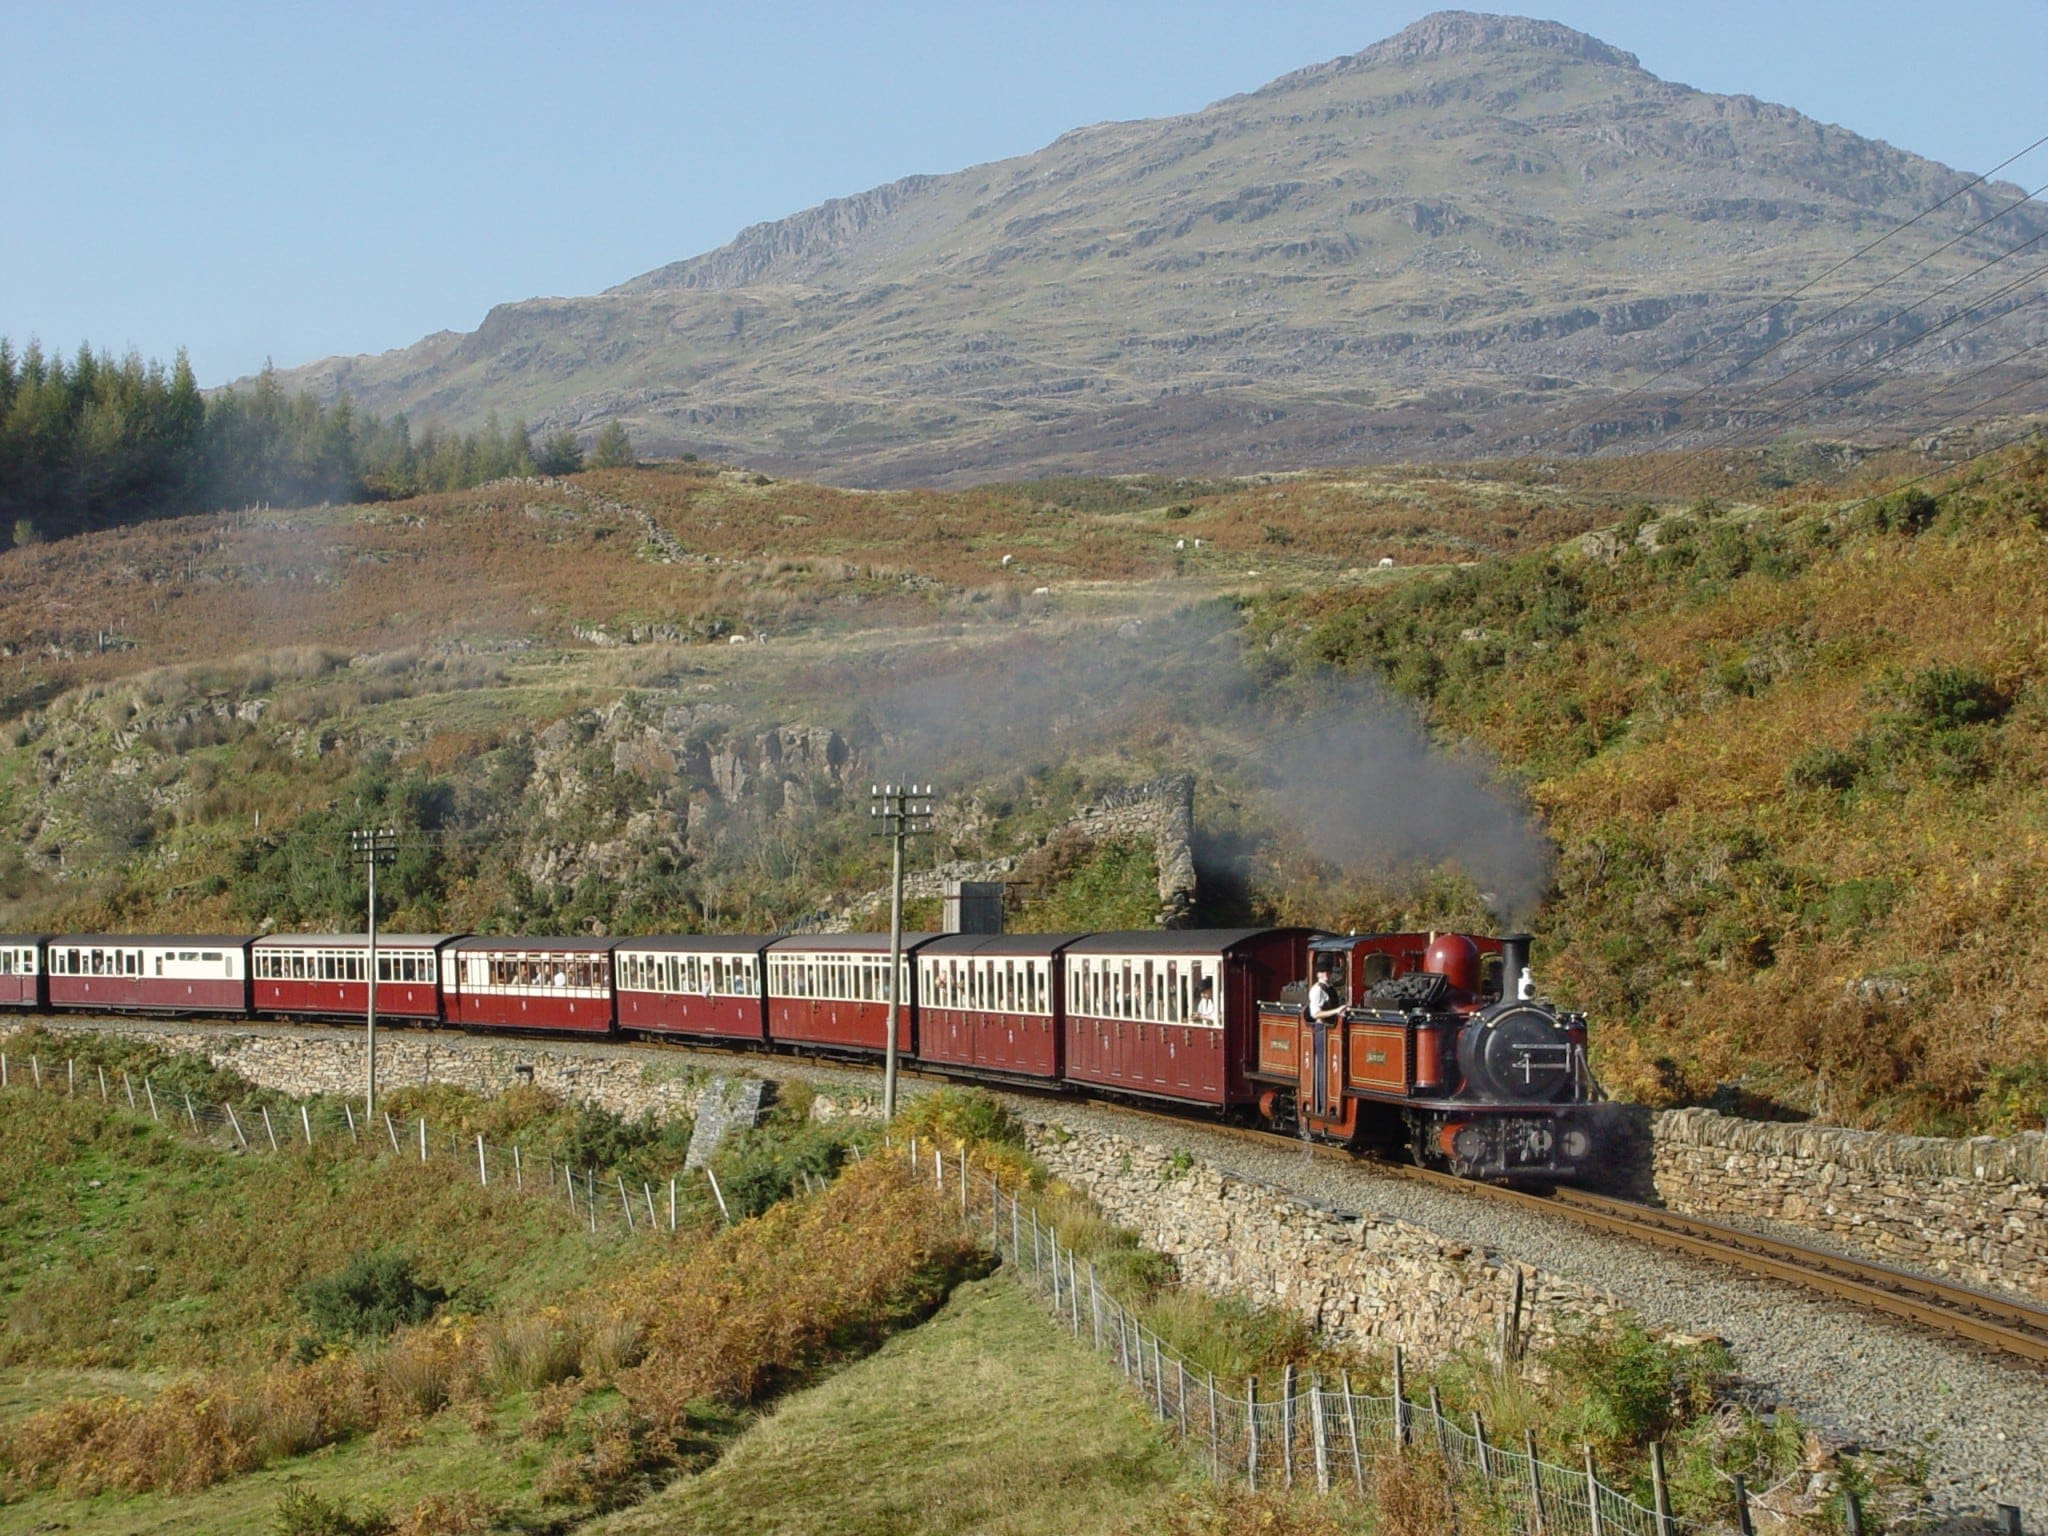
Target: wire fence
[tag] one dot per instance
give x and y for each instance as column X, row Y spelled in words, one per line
column 1291, row 1433
column 606, row 1203
column 1298, row 1432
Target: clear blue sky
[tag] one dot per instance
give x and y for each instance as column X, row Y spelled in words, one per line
column 291, row 180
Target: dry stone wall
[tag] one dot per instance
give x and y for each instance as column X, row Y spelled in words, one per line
column 1974, row 1210
column 1364, row 1279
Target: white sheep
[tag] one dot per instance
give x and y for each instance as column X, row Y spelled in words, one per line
column 1180, row 543
column 1006, row 561
column 1386, row 562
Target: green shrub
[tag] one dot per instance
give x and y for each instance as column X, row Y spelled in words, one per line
column 370, row 1296
column 1625, row 1388
column 1825, row 767
column 302, row 1512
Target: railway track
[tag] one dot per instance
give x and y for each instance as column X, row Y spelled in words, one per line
column 2004, row 1324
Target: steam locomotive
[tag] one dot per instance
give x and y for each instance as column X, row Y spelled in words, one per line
column 1432, row 1043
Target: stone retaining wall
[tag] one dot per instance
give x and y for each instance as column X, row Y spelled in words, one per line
column 317, row 1062
column 1974, row 1210
column 1364, row 1279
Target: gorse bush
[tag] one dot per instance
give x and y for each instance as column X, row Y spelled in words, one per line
column 370, row 1296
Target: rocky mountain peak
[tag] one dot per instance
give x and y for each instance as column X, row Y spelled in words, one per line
column 1452, row 32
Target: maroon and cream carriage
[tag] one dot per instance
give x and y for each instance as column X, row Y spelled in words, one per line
column 1169, row 1014
column 529, row 983
column 709, row 986
column 326, row 975
column 991, row 1002
column 21, row 970
column 149, row 972
column 832, row 990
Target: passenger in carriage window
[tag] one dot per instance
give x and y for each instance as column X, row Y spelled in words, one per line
column 1205, row 1001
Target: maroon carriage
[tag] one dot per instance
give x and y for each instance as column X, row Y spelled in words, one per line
column 991, row 1002
column 1170, row 1014
column 832, row 989
column 709, row 986
column 21, row 970
column 326, row 975
column 149, row 972
column 529, row 983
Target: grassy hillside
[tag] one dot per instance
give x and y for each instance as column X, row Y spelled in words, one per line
column 1787, row 740
column 1793, row 756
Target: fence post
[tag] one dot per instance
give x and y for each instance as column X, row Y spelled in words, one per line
column 149, row 1091
column 1095, row 1305
column 1485, row 1450
column 590, row 1196
column 1287, row 1427
column 35, row 1065
column 671, row 1205
column 483, row 1171
column 1597, row 1525
column 127, row 1087
column 1158, row 1379
column 1251, row 1419
column 963, row 1181
column 350, row 1115
column 1215, row 1433
column 264, row 1111
column 571, row 1177
column 391, row 1130
column 231, row 1118
column 1401, row 1417
column 1351, row 1433
column 1055, row 1240
column 1180, row 1395
column 647, row 1189
column 71, row 1077
column 1660, row 1491
column 103, row 1083
column 518, row 1172
column 1315, row 1424
column 423, row 1138
column 625, row 1200
column 1436, row 1414
column 3, row 1069
column 1074, row 1292
column 938, row 1171
column 1536, row 1512
column 306, row 1122
column 717, row 1194
column 191, row 1114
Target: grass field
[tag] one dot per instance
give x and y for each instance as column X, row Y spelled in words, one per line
column 985, row 1421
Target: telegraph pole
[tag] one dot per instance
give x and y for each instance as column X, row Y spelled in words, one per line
column 374, row 846
column 899, row 811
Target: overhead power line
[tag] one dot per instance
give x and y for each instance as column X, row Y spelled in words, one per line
column 1606, row 407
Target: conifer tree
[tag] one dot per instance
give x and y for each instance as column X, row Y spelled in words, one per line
column 613, row 449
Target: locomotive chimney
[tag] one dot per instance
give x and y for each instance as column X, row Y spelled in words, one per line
column 1514, row 960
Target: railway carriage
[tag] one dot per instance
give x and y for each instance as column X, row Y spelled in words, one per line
column 529, row 983
column 326, row 975
column 712, row 987
column 832, row 990
column 149, row 972
column 1170, row 1014
column 991, row 1002
column 22, row 977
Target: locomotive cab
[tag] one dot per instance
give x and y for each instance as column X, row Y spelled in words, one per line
column 1437, row 1051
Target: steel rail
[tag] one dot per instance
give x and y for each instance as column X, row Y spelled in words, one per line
column 2005, row 1324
